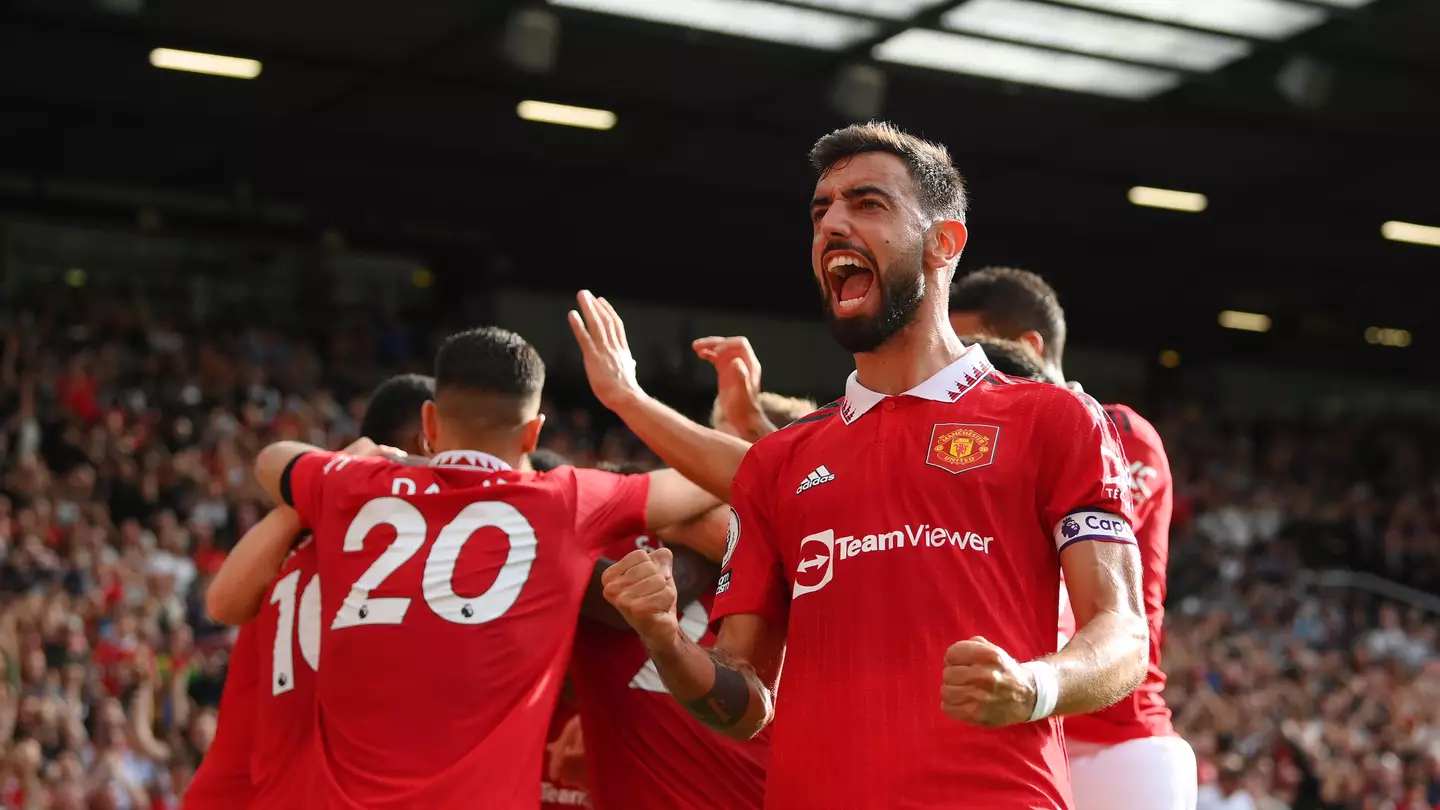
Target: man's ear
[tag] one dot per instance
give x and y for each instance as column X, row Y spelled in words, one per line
column 1034, row 341
column 530, row 434
column 430, row 426
column 946, row 241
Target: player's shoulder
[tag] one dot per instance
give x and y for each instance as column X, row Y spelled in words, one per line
column 566, row 482
column 1134, row 429
column 1036, row 392
column 808, row 426
column 1127, row 419
column 337, row 469
column 772, row 450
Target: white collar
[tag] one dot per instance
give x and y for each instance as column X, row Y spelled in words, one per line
column 469, row 459
column 948, row 384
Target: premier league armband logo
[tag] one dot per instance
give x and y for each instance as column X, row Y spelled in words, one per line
column 732, row 537
column 1069, row 528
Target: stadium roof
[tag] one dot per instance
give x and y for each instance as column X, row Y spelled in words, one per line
column 1305, row 124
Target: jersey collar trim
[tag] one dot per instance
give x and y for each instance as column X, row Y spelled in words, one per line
column 469, row 460
column 948, row 385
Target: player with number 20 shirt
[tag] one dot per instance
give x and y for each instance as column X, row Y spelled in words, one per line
column 426, row 700
column 452, row 589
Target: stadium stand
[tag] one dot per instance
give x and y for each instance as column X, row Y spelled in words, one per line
column 125, row 480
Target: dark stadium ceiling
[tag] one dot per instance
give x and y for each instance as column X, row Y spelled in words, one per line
column 1305, row 124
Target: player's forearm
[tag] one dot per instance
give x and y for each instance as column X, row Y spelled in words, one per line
column 705, row 456
column 756, row 425
column 238, row 590
column 1103, row 663
column 719, row 689
column 271, row 462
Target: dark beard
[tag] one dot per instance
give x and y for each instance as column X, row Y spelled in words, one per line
column 901, row 296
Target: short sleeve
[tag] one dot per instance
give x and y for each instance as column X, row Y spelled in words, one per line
column 223, row 779
column 1083, row 484
column 609, row 505
column 1148, row 473
column 310, row 477
column 752, row 576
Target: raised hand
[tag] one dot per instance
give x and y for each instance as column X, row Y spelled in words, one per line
column 737, row 370
column 609, row 365
column 642, row 587
column 984, row 686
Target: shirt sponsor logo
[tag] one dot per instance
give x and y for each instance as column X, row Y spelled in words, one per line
column 1093, row 524
column 956, row 448
column 732, row 537
column 724, row 584
column 820, row 552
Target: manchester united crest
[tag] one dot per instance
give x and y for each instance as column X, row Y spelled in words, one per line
column 956, row 448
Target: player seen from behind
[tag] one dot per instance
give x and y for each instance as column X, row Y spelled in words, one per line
column 260, row 757
column 452, row 588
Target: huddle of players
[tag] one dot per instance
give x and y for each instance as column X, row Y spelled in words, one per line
column 446, row 704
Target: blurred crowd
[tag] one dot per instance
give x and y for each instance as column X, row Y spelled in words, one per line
column 125, row 443
column 1295, row 692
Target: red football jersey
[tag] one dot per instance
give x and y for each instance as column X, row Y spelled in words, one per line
column 881, row 530
column 644, row 751
column 288, row 656
column 1142, row 713
column 557, row 796
column 451, row 597
column 222, row 782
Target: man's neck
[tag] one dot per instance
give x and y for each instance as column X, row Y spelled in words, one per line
column 910, row 357
column 1057, row 374
column 519, row 461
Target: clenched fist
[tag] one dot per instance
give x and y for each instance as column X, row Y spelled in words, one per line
column 642, row 588
column 984, row 686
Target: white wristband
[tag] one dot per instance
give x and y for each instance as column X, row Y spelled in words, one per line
column 1047, row 689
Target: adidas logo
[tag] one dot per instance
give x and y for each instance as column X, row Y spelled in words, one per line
column 817, row 476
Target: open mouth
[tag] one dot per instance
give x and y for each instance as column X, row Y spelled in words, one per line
column 851, row 279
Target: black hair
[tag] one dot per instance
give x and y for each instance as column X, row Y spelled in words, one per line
column 1010, row 357
column 544, row 459
column 394, row 407
column 938, row 184
column 621, row 467
column 491, row 360
column 1011, row 302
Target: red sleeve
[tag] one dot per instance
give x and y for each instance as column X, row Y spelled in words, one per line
column 608, row 505
column 1083, row 485
column 752, row 576
column 310, row 476
column 222, row 781
column 1148, row 473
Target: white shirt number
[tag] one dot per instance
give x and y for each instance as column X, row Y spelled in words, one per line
column 304, row 623
column 359, row 609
